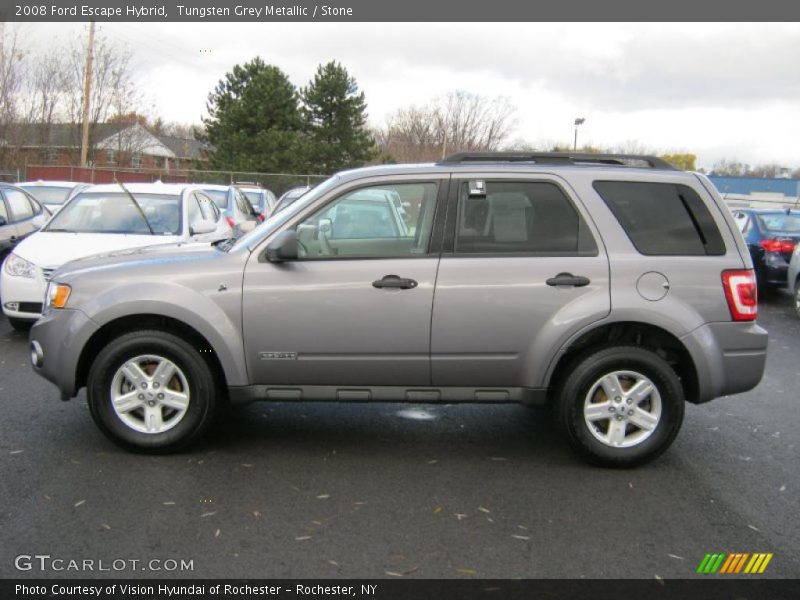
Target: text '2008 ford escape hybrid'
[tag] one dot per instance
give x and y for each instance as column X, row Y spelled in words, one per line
column 613, row 287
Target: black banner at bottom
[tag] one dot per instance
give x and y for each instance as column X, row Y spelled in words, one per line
column 389, row 589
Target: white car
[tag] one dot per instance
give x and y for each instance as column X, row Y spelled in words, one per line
column 102, row 219
column 240, row 214
column 53, row 194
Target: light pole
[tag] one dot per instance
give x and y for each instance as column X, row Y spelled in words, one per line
column 578, row 121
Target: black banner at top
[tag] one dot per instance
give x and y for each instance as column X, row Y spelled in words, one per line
column 398, row 10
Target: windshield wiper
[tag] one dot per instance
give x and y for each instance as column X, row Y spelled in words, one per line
column 141, row 212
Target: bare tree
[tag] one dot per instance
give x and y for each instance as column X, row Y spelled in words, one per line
column 458, row 122
column 11, row 62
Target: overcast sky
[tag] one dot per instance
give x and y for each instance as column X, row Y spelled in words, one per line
column 718, row 90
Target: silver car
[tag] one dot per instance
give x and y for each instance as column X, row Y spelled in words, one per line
column 614, row 288
column 20, row 216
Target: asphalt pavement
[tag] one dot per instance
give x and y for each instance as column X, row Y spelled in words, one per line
column 294, row 490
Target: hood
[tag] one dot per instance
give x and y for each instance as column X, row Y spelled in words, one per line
column 167, row 260
column 53, row 249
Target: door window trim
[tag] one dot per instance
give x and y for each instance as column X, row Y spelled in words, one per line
column 449, row 238
column 435, row 241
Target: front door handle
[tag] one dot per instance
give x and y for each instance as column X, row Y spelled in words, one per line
column 568, row 279
column 395, row 282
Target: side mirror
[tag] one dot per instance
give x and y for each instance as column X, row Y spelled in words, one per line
column 283, row 247
column 40, row 220
column 202, row 226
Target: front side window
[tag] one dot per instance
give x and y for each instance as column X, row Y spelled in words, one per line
column 116, row 212
column 528, row 217
column 387, row 221
column 21, row 207
column 662, row 219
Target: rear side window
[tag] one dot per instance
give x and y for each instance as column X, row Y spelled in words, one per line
column 662, row 219
column 519, row 217
column 21, row 207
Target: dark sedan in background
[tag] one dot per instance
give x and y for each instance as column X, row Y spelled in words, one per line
column 771, row 236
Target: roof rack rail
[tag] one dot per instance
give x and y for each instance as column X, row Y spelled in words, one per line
column 559, row 158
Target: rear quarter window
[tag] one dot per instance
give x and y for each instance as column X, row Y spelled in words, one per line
column 662, row 219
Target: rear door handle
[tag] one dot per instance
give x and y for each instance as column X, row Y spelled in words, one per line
column 568, row 279
column 395, row 282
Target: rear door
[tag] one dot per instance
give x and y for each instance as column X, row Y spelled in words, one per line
column 521, row 267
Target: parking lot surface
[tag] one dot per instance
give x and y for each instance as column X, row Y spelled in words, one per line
column 394, row 490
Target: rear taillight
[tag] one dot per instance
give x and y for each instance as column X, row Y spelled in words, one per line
column 777, row 246
column 740, row 291
column 230, row 222
column 261, row 217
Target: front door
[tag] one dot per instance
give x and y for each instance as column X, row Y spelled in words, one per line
column 355, row 308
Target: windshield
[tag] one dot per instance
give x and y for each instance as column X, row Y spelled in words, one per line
column 115, row 212
column 48, row 194
column 780, row 222
column 252, row 239
column 220, row 197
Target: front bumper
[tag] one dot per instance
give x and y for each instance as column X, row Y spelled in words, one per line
column 729, row 357
column 61, row 336
column 24, row 292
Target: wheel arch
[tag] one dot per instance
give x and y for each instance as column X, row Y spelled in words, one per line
column 138, row 322
column 645, row 335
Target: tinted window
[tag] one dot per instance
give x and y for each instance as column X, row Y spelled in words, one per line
column 369, row 223
column 19, row 204
column 662, row 218
column 519, row 217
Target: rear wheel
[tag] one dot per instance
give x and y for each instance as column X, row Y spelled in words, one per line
column 151, row 391
column 620, row 406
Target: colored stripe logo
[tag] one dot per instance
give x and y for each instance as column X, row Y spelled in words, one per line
column 734, row 563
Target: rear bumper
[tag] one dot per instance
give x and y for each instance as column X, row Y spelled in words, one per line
column 61, row 336
column 729, row 358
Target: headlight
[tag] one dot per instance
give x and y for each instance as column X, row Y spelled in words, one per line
column 19, row 267
column 57, row 295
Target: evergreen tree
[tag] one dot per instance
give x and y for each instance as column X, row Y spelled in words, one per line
column 336, row 121
column 255, row 123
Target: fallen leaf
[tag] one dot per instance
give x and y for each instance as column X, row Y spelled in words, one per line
column 323, row 496
column 437, row 510
column 208, row 514
column 216, row 533
column 79, row 502
column 675, row 556
column 16, row 452
column 169, row 503
column 393, row 574
column 520, row 537
column 302, row 538
column 754, row 528
column 333, row 562
column 483, row 509
column 460, row 516
column 105, row 526
column 783, row 489
column 256, row 514
column 46, row 497
column 521, row 527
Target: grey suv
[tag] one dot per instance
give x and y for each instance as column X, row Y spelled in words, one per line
column 614, row 288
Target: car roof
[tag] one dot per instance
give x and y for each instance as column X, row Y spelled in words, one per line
column 213, row 186
column 174, row 189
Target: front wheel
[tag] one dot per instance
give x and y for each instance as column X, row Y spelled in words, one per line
column 151, row 391
column 797, row 297
column 620, row 406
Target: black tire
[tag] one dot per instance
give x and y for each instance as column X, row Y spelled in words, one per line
column 580, row 377
column 202, row 391
column 20, row 324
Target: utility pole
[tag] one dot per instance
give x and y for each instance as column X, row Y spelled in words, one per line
column 87, row 95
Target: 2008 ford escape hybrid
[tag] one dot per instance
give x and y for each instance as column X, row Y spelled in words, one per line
column 614, row 287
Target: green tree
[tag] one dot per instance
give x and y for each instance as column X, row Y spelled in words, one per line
column 684, row 161
column 336, row 120
column 254, row 122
